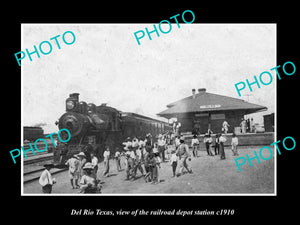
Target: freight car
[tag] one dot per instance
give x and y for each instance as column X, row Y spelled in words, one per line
column 94, row 127
column 32, row 133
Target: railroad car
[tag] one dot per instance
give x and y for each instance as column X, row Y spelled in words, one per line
column 32, row 133
column 94, row 127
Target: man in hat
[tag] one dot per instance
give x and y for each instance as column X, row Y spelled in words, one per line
column 74, row 170
column 127, row 144
column 82, row 160
column 130, row 163
column 118, row 159
column 161, row 147
column 208, row 141
column 46, row 180
column 138, row 163
column 183, row 154
column 94, row 161
column 106, row 156
column 195, row 145
column 88, row 182
column 222, row 140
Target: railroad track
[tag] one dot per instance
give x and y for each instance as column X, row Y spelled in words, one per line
column 38, row 158
column 34, row 174
column 33, row 166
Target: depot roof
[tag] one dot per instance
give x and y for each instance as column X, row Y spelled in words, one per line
column 208, row 102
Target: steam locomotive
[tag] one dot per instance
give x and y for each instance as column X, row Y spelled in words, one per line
column 98, row 126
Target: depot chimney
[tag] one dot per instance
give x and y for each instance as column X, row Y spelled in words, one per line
column 194, row 93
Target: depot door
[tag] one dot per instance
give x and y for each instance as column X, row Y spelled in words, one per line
column 201, row 122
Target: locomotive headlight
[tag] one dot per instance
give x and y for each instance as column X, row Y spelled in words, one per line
column 70, row 105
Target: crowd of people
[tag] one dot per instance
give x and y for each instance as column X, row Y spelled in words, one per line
column 140, row 157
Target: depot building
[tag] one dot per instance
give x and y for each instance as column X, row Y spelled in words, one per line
column 203, row 110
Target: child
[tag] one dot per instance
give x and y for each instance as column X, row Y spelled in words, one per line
column 173, row 162
column 234, row 144
column 88, row 182
column 74, row 170
column 46, row 179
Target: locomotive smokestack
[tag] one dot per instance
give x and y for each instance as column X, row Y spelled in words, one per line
column 74, row 95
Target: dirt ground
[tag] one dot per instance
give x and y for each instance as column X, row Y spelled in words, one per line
column 211, row 175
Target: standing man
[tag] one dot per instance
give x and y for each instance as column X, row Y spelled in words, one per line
column 208, row 141
column 243, row 126
column 222, row 140
column 130, row 156
column 217, row 144
column 94, row 160
column 46, row 180
column 118, row 159
column 183, row 154
column 195, row 145
column 106, row 156
column 74, row 170
column 225, row 127
column 251, row 125
column 161, row 147
column 138, row 163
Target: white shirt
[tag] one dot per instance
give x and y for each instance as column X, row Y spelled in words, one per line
column 45, row 178
column 94, row 161
column 222, row 139
column 225, row 124
column 138, row 154
column 141, row 144
column 177, row 142
column 174, row 158
column 132, row 154
column 195, row 141
column 127, row 145
column 106, row 155
column 208, row 139
column 161, row 142
column 135, row 143
column 117, row 154
column 73, row 164
column 234, row 141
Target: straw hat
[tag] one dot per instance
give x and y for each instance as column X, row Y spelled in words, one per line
column 87, row 166
column 75, row 156
column 81, row 154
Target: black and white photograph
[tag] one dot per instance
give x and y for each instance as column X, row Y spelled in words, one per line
column 129, row 109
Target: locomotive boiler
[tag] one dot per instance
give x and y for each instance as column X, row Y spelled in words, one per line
column 94, row 127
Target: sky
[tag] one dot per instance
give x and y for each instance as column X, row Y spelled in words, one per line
column 105, row 64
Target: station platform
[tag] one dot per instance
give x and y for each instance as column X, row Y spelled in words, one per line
column 247, row 139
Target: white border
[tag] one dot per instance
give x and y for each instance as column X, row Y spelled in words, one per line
column 183, row 195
